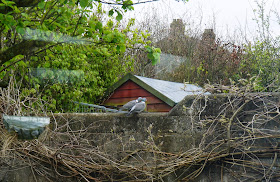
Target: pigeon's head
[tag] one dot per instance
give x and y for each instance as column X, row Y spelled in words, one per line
column 139, row 99
column 144, row 99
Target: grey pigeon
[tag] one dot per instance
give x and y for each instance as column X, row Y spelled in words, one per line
column 130, row 104
column 138, row 107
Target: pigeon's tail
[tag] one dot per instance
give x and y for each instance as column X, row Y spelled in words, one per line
column 129, row 113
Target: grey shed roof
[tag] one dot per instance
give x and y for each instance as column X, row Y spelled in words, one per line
column 169, row 92
column 173, row 90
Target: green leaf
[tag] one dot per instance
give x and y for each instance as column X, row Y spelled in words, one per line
column 99, row 26
column 122, row 48
column 148, row 49
column 24, row 14
column 41, row 5
column 20, row 30
column 16, row 10
column 119, row 16
column 109, row 37
column 153, row 54
column 8, row 3
column 111, row 12
column 130, row 8
column 150, row 56
column 33, row 91
column 127, row 5
column 22, row 63
column 84, row 3
column 81, row 30
column 156, row 58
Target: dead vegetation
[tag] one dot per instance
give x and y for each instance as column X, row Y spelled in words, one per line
column 240, row 138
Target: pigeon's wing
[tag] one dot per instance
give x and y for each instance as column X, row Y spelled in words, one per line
column 129, row 105
column 131, row 110
column 139, row 107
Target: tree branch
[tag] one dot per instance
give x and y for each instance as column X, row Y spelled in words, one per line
column 120, row 4
column 19, row 3
column 34, row 53
column 23, row 48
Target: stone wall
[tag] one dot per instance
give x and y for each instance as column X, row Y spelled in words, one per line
column 183, row 129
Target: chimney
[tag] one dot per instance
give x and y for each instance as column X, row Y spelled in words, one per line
column 208, row 36
column 177, row 28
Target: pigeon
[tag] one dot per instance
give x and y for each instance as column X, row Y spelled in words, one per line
column 138, row 107
column 130, row 104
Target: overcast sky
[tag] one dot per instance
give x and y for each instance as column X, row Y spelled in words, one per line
column 225, row 16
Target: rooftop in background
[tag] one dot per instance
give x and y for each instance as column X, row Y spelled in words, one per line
column 173, row 90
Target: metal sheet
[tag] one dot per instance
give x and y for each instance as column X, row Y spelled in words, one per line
column 173, row 90
column 26, row 127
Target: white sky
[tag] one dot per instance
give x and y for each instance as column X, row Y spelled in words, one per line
column 227, row 17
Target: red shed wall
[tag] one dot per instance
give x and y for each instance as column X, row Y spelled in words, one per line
column 130, row 91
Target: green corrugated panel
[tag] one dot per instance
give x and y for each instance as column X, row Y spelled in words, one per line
column 26, row 127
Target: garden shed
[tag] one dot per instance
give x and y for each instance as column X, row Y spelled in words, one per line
column 161, row 95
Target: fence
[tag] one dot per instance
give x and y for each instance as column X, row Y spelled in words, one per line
column 92, row 108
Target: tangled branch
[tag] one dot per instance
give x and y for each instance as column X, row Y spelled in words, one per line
column 239, row 136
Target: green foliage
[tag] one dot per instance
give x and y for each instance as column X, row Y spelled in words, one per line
column 261, row 60
column 69, row 73
column 82, row 72
column 65, row 50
